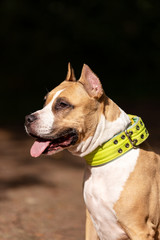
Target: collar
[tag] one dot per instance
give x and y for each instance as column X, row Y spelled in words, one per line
column 121, row 143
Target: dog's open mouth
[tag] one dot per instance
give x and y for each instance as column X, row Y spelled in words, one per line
column 50, row 146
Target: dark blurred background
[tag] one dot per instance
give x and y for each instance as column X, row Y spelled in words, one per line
column 119, row 40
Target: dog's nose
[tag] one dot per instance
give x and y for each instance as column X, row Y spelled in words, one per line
column 30, row 118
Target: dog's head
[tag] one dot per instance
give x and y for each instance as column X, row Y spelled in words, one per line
column 70, row 114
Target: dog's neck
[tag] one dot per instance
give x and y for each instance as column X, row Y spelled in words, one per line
column 105, row 130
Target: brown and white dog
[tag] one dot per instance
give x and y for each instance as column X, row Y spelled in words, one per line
column 122, row 197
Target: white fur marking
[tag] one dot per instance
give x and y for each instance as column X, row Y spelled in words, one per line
column 46, row 117
column 102, row 188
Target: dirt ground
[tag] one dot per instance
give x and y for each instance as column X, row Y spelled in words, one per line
column 41, row 199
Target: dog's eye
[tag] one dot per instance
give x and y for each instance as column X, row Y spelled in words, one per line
column 62, row 104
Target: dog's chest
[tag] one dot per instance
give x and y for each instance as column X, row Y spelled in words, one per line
column 102, row 188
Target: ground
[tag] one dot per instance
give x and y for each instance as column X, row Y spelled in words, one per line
column 41, row 199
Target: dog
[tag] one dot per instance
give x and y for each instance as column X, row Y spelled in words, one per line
column 122, row 174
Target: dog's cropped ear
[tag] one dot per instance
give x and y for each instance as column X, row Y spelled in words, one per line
column 91, row 82
column 70, row 74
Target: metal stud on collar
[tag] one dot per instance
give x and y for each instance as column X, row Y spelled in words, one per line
column 123, row 137
column 120, row 150
column 137, row 127
column 127, row 145
column 115, row 141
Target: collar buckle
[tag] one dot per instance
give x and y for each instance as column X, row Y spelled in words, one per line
column 133, row 143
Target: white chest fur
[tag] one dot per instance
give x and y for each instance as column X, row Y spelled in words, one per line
column 102, row 188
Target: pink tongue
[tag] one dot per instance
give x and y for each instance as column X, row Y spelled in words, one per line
column 38, row 148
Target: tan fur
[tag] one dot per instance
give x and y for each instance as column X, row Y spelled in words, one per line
column 112, row 111
column 70, row 74
column 63, row 85
column 138, row 207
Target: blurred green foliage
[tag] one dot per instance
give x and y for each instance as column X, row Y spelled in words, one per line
column 119, row 40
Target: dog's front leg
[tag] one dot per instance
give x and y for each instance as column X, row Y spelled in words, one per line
column 90, row 230
column 141, row 233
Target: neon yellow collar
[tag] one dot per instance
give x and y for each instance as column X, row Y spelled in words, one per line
column 132, row 137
